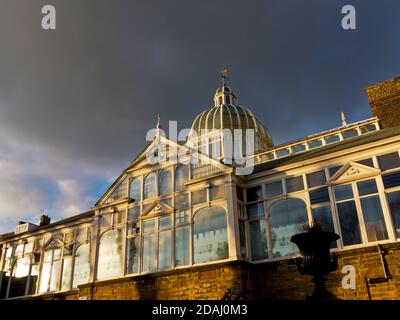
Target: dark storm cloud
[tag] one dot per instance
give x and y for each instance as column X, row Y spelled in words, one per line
column 87, row 93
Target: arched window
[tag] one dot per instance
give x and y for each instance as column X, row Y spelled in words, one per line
column 82, row 265
column 150, row 186
column 181, row 176
column 287, row 217
column 19, row 278
column 110, row 255
column 135, row 190
column 165, row 183
column 210, row 238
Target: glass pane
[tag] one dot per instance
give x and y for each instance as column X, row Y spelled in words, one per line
column 367, row 187
column 33, row 279
column 182, row 246
column 66, row 274
column 119, row 217
column 299, row 148
column 366, row 162
column 349, row 224
column 19, row 250
column 255, row 210
column 373, row 217
column 258, row 240
column 164, row 250
column 282, row 153
column 333, row 170
column 149, row 225
column 199, row 196
column 287, row 217
column 315, row 144
column 343, row 192
column 47, row 255
column 133, row 213
column 165, row 222
column 82, row 265
column 181, row 177
column 110, row 262
column 149, row 253
column 57, row 254
column 217, row 192
column 316, row 179
column 182, row 201
column 210, row 239
column 391, row 180
column 55, row 273
column 254, row 194
column 274, row 189
column 350, row 133
column 242, row 235
column 319, row 196
column 150, row 186
column 135, row 190
column 294, row 184
column 134, row 228
column 394, row 204
column 44, row 277
column 19, row 278
column 389, row 161
column 323, row 217
column 331, row 139
column 165, row 182
column 133, row 255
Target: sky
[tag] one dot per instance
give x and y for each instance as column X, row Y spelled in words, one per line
column 76, row 102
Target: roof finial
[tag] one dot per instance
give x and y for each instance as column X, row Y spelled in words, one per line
column 223, row 75
column 343, row 117
column 158, row 126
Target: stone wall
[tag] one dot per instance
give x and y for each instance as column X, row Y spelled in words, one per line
column 273, row 280
column 384, row 99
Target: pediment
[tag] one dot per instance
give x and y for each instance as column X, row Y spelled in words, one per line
column 353, row 171
column 55, row 241
column 158, row 208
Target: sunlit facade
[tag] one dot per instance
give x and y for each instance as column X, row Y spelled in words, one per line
column 169, row 216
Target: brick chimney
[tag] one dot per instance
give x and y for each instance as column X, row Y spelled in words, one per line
column 384, row 100
column 44, row 220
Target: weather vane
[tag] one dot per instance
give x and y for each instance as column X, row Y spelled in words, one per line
column 223, row 75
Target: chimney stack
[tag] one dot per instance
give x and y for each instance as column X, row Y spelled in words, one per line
column 44, row 220
column 384, row 100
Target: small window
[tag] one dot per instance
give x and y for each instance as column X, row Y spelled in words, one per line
column 255, row 210
column 315, row 144
column 182, row 217
column 389, row 161
column 254, row 194
column 367, row 187
column 316, row 179
column 366, row 162
column 150, row 186
column 391, row 180
column 294, row 184
column 343, row 192
column 332, row 139
column 298, row 148
column 368, row 128
column 199, row 196
column 350, row 133
column 135, row 192
column 267, row 157
column 282, row 153
column 274, row 188
column 319, row 195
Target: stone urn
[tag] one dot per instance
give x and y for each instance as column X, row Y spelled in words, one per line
column 314, row 245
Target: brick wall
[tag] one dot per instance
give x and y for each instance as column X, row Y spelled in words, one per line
column 273, row 280
column 384, row 99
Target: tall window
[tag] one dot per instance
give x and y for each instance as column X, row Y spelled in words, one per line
column 287, row 217
column 49, row 277
column 210, row 240
column 110, row 262
column 150, row 186
column 82, row 265
column 181, row 176
column 20, row 276
column 165, row 182
column 135, row 190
